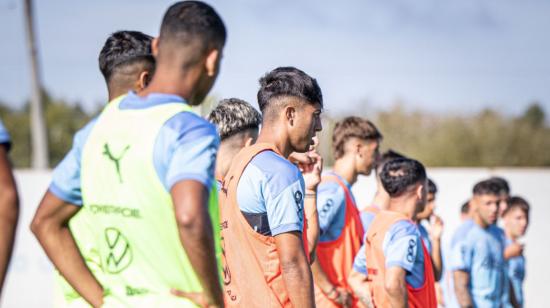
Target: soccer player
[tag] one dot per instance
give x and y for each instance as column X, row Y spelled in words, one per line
column 477, row 259
column 516, row 221
column 238, row 124
column 262, row 199
column 127, row 64
column 355, row 143
column 381, row 199
column 432, row 239
column 395, row 263
column 144, row 170
column 9, row 205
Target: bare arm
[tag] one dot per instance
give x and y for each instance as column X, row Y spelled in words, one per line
column 462, row 281
column 358, row 283
column 338, row 295
column 50, row 225
column 195, row 228
column 295, row 269
column 311, row 166
column 436, row 231
column 310, row 211
column 396, row 287
column 9, row 213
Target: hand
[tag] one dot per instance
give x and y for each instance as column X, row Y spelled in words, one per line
column 343, row 297
column 198, row 298
column 514, row 250
column 436, row 227
column 311, row 166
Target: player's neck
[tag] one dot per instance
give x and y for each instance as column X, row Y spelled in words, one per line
column 405, row 205
column 381, row 199
column 271, row 133
column 480, row 222
column 345, row 169
column 223, row 160
column 170, row 81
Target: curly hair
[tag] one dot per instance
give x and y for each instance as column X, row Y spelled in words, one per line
column 234, row 115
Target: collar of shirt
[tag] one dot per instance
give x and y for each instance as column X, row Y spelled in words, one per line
column 134, row 101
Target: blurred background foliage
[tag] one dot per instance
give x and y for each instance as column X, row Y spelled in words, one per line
column 487, row 138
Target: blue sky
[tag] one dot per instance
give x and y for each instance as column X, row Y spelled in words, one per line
column 441, row 56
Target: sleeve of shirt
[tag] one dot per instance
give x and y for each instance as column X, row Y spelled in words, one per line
column 461, row 256
column 330, row 199
column 5, row 138
column 360, row 261
column 400, row 245
column 186, row 147
column 285, row 209
column 66, row 176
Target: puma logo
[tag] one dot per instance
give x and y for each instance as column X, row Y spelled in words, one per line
column 116, row 160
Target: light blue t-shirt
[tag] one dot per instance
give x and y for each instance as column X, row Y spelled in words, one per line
column 402, row 248
column 185, row 149
column 480, row 252
column 4, row 136
column 448, row 278
column 516, row 275
column 270, row 194
column 331, row 208
column 425, row 236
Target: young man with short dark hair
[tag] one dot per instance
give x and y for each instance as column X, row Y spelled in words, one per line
column 262, row 198
column 395, row 264
column 516, row 221
column 477, row 259
column 355, row 143
column 144, row 169
column 127, row 64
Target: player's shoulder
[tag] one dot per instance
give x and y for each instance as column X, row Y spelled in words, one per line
column 462, row 231
column 402, row 228
column 330, row 188
column 277, row 171
column 187, row 122
column 82, row 134
column 273, row 164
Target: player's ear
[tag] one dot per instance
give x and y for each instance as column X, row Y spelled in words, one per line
column 155, row 47
column 420, row 192
column 143, row 80
column 290, row 114
column 212, row 62
column 248, row 142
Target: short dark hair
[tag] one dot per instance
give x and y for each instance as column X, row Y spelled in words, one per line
column 233, row 116
column 352, row 127
column 400, row 174
column 519, row 203
column 188, row 21
column 384, row 158
column 487, row 187
column 502, row 183
column 432, row 188
column 288, row 81
column 123, row 49
column 465, row 208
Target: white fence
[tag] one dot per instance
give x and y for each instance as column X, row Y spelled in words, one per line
column 30, row 280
